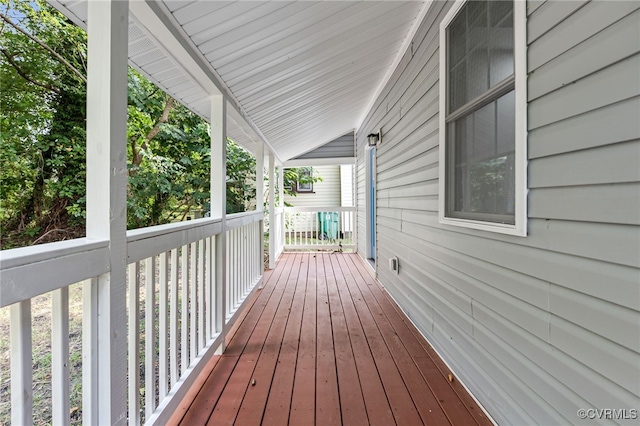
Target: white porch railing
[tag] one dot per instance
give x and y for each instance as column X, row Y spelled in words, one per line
column 244, row 258
column 176, row 314
column 312, row 228
column 276, row 233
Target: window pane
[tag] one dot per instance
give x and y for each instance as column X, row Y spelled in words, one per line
column 480, row 50
column 506, row 123
column 501, row 48
column 508, row 190
column 481, row 143
column 477, row 74
column 498, row 10
column 464, row 139
column 458, row 86
column 484, row 132
column 303, row 184
column 483, row 179
column 458, row 39
column 483, row 163
column 478, row 24
column 461, row 189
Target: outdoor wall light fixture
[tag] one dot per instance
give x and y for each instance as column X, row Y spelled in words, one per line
column 374, row 138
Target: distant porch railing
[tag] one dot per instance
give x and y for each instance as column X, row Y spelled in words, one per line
column 178, row 310
column 276, row 232
column 314, row 228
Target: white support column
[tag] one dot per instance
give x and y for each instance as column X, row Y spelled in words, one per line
column 272, row 211
column 281, row 205
column 260, row 177
column 108, row 23
column 260, row 203
column 218, row 206
column 281, row 187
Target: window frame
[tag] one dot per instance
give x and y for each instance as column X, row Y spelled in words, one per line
column 305, row 190
column 519, row 228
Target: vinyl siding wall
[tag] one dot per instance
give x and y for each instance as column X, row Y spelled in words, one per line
column 326, row 193
column 539, row 326
column 337, row 148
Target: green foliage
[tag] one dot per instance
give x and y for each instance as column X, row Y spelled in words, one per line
column 168, row 173
column 42, row 120
column 293, row 176
column 241, row 178
column 172, row 179
column 43, row 138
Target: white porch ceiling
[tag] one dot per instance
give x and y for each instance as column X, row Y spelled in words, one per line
column 298, row 73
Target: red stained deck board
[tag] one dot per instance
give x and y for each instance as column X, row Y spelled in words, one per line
column 229, row 403
column 404, row 410
column 304, row 385
column 279, row 399
column 254, row 402
column 350, row 394
column 425, row 401
column 327, row 346
column 378, row 409
column 456, row 402
column 205, row 400
column 327, row 397
column 209, row 385
column 183, row 407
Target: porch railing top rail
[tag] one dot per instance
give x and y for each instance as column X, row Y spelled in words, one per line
column 152, row 231
column 175, row 278
column 237, row 220
column 157, row 239
column 22, row 269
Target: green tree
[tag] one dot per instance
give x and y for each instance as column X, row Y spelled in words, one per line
column 168, row 157
column 42, row 60
column 43, row 138
column 241, row 179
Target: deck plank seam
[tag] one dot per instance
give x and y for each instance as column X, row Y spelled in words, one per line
column 263, row 297
column 333, row 286
column 463, row 396
column 286, row 296
column 376, row 333
column 383, row 317
column 364, row 333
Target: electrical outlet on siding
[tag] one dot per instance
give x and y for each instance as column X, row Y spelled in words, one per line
column 394, row 264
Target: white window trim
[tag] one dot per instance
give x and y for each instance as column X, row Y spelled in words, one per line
column 305, row 190
column 520, row 58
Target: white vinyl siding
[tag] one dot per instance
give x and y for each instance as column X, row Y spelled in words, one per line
column 536, row 327
column 326, row 193
column 346, row 183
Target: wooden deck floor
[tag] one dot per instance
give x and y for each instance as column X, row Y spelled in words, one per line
column 323, row 344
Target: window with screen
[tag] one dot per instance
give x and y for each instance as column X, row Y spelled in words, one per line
column 305, row 182
column 481, row 152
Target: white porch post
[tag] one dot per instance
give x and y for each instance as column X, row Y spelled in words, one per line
column 106, row 357
column 260, row 202
column 272, row 211
column 260, row 177
column 218, row 206
column 281, row 187
column 281, row 206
